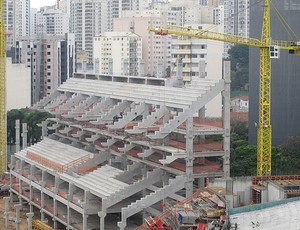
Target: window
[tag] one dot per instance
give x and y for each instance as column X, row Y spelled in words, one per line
column 48, row 53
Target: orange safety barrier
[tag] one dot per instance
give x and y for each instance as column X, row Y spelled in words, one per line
column 257, row 179
column 56, row 166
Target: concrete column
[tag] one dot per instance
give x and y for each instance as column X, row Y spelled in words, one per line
column 190, row 156
column 102, row 216
column 202, row 75
column 201, row 182
column 17, row 127
column 159, row 69
column 179, row 74
column 110, row 66
column 24, row 135
column 141, row 68
column 85, row 218
column 202, row 69
column 226, row 120
column 6, row 210
column 125, row 67
column 18, row 220
column 97, row 66
column 54, row 223
column 44, row 129
column 84, row 64
column 29, row 220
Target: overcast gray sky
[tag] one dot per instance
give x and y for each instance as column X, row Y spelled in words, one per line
column 39, row 3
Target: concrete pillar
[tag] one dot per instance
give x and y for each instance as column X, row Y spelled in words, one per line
column 44, row 129
column 42, row 215
column 179, row 74
column 17, row 127
column 125, row 67
column 202, row 69
column 110, row 66
column 226, row 120
column 29, row 220
column 201, row 182
column 18, row 220
column 141, row 68
column 97, row 66
column 54, row 223
column 6, row 210
column 202, row 75
column 84, row 64
column 159, row 69
column 190, row 156
column 24, row 135
column 85, row 218
column 102, row 216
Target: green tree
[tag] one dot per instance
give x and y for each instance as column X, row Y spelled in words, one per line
column 239, row 57
column 291, row 154
column 32, row 118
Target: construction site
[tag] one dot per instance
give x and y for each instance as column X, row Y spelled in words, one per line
column 128, row 152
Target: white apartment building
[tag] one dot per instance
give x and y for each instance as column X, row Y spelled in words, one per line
column 89, row 18
column 117, row 53
column 17, row 80
column 52, row 21
column 201, row 58
column 236, row 19
column 33, row 22
column 154, row 48
column 16, row 20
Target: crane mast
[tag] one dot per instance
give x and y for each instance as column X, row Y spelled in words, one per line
column 264, row 128
column 2, row 92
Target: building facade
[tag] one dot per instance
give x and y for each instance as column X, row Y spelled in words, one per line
column 51, row 59
column 117, row 53
column 236, row 19
column 52, row 21
column 285, row 106
column 16, row 20
column 17, row 80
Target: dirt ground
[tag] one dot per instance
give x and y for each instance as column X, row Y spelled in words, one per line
column 11, row 224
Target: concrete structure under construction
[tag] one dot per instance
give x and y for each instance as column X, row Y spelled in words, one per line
column 120, row 145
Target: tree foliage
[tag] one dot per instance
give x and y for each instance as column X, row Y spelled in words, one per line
column 32, row 118
column 285, row 158
column 239, row 57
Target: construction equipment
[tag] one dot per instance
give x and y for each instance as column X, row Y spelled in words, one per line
column 2, row 92
column 39, row 225
column 266, row 46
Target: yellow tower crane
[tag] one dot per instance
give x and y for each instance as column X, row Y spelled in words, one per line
column 2, row 92
column 264, row 128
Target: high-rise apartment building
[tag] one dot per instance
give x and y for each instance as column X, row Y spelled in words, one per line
column 33, row 21
column 236, row 19
column 51, row 59
column 120, row 51
column 154, row 48
column 88, row 19
column 52, row 21
column 285, row 85
column 16, row 19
